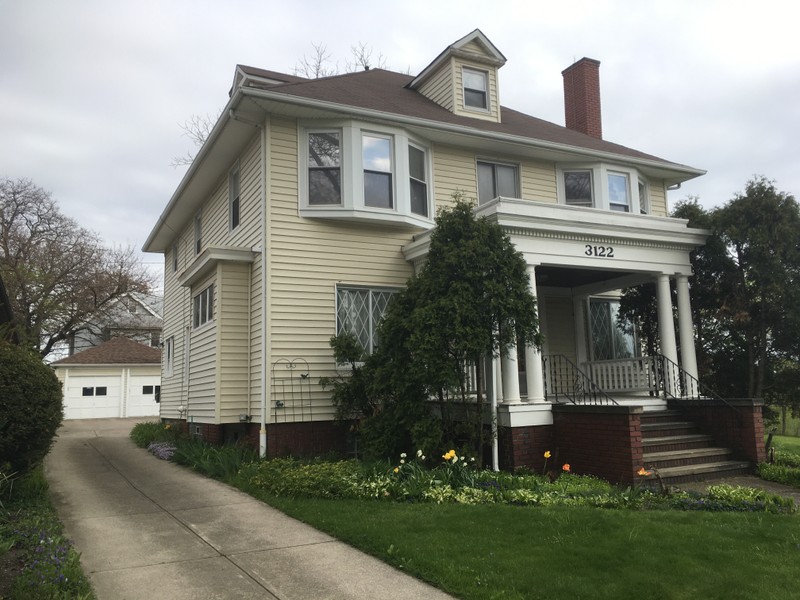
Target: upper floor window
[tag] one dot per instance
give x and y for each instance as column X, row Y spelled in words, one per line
column 495, row 179
column 418, row 181
column 578, row 188
column 174, row 258
column 324, row 168
column 619, row 192
column 233, row 197
column 198, row 233
column 357, row 171
column 169, row 356
column 377, row 161
column 203, row 307
column 602, row 186
column 359, row 311
column 644, row 199
column 476, row 89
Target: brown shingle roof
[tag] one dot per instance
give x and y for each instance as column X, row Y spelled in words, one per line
column 386, row 91
column 118, row 350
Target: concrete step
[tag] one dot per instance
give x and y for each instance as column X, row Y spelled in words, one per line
column 702, row 472
column 668, row 428
column 676, row 442
column 682, row 458
column 661, row 416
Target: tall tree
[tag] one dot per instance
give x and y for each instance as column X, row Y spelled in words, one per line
column 471, row 301
column 57, row 274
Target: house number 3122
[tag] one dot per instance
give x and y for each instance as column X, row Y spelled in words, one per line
column 599, row 251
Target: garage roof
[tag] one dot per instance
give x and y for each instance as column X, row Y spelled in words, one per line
column 116, row 351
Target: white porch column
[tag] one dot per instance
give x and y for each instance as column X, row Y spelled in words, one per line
column 579, row 315
column 666, row 324
column 510, row 377
column 685, row 326
column 533, row 357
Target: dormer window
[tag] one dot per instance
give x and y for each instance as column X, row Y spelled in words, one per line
column 476, row 89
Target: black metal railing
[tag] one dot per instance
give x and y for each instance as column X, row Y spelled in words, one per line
column 673, row 383
column 565, row 382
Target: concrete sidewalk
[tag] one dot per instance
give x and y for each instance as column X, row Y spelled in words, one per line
column 148, row 529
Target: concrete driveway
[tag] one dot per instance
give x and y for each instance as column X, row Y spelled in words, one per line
column 148, row 529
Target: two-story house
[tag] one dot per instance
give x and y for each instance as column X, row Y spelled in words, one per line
column 312, row 201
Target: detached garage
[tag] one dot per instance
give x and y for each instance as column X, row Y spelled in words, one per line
column 119, row 378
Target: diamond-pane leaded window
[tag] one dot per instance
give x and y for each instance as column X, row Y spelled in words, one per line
column 609, row 338
column 358, row 311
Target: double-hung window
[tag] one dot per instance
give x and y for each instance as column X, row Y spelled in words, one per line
column 324, row 168
column 619, row 196
column 169, row 356
column 359, row 311
column 198, row 232
column 495, row 180
column 578, row 188
column 233, row 197
column 418, row 182
column 203, row 307
column 644, row 201
column 476, row 89
column 377, row 160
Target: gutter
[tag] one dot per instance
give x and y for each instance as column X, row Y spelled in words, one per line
column 262, row 431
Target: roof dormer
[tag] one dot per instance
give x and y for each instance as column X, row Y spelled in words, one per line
column 463, row 78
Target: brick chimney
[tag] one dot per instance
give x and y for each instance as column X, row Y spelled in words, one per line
column 582, row 97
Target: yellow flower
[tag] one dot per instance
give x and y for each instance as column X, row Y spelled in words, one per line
column 565, row 468
column 167, row 426
column 644, row 473
column 397, row 469
column 449, row 455
column 547, row 454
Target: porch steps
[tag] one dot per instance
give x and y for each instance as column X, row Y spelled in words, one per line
column 674, row 447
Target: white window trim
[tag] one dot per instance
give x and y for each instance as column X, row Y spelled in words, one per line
column 353, row 206
column 169, row 356
column 198, row 232
column 600, row 195
column 486, row 78
column 644, row 200
column 209, row 314
column 502, row 163
column 234, row 172
column 364, row 288
column 392, row 168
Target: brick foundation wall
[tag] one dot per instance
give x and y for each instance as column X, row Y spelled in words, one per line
column 524, row 446
column 305, row 439
column 605, row 441
column 738, row 425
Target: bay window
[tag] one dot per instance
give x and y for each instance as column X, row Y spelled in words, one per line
column 360, row 172
column 578, row 188
column 618, row 192
column 603, row 186
column 324, row 168
column 377, row 161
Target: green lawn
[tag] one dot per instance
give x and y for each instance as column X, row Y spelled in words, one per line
column 787, row 442
column 500, row 551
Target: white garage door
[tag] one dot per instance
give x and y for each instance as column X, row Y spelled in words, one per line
column 92, row 398
column 142, row 393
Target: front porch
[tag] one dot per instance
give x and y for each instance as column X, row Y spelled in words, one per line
column 587, row 393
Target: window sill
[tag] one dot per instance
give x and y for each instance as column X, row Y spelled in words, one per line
column 368, row 215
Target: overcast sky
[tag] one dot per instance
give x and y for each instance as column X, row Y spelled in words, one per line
column 92, row 92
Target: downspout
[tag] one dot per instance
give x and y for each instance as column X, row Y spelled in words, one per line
column 262, row 431
column 495, row 392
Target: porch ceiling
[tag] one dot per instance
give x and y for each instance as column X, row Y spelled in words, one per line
column 587, row 280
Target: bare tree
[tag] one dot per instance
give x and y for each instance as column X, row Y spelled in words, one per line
column 57, row 274
column 362, row 60
column 196, row 128
column 316, row 64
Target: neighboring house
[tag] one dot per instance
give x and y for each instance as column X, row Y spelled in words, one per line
column 133, row 315
column 118, row 378
column 312, row 201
